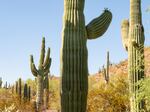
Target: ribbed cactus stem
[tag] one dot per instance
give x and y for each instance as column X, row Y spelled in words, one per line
column 135, row 52
column 135, row 12
column 99, row 25
column 40, row 73
column 74, row 55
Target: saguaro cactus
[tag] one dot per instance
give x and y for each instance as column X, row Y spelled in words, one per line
column 19, row 88
column 29, row 93
column 25, row 92
column 74, row 66
column 133, row 40
column 40, row 73
column 1, row 82
column 106, row 70
column 16, row 87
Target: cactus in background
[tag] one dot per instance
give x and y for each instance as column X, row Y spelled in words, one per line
column 107, row 68
column 40, row 73
column 25, row 92
column 5, row 86
column 74, row 65
column 19, row 88
column 29, row 93
column 1, row 82
column 106, row 71
column 133, row 40
column 16, row 87
column 46, row 91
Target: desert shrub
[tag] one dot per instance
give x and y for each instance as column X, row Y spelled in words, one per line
column 112, row 97
column 144, row 92
column 9, row 101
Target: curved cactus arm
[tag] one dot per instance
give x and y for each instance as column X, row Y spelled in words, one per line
column 42, row 55
column 125, row 33
column 99, row 25
column 47, row 58
column 46, row 68
column 32, row 66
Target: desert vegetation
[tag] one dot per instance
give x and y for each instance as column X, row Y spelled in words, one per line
column 122, row 87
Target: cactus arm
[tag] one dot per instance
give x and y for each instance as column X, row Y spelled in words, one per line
column 47, row 60
column 42, row 55
column 46, row 69
column 98, row 26
column 32, row 66
column 125, row 33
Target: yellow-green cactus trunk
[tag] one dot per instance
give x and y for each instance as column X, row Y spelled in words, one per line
column 135, row 53
column 133, row 40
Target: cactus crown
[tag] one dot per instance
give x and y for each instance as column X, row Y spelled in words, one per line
column 44, row 63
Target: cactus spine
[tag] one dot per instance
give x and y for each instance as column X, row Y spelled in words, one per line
column 40, row 73
column 133, row 39
column 74, row 65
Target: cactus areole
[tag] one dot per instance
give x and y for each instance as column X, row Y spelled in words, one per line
column 133, row 41
column 74, row 55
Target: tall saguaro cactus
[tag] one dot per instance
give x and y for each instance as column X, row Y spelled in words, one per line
column 74, row 65
column 133, row 41
column 40, row 73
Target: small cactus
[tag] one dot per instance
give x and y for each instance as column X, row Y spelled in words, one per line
column 25, row 92
column 40, row 73
column 16, row 87
column 29, row 93
column 19, row 88
column 1, row 82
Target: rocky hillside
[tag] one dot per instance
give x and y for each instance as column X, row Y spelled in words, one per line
column 121, row 68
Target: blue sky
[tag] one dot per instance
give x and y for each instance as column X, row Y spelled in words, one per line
column 23, row 23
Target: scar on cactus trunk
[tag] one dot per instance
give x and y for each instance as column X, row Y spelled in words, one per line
column 40, row 73
column 133, row 40
column 74, row 55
